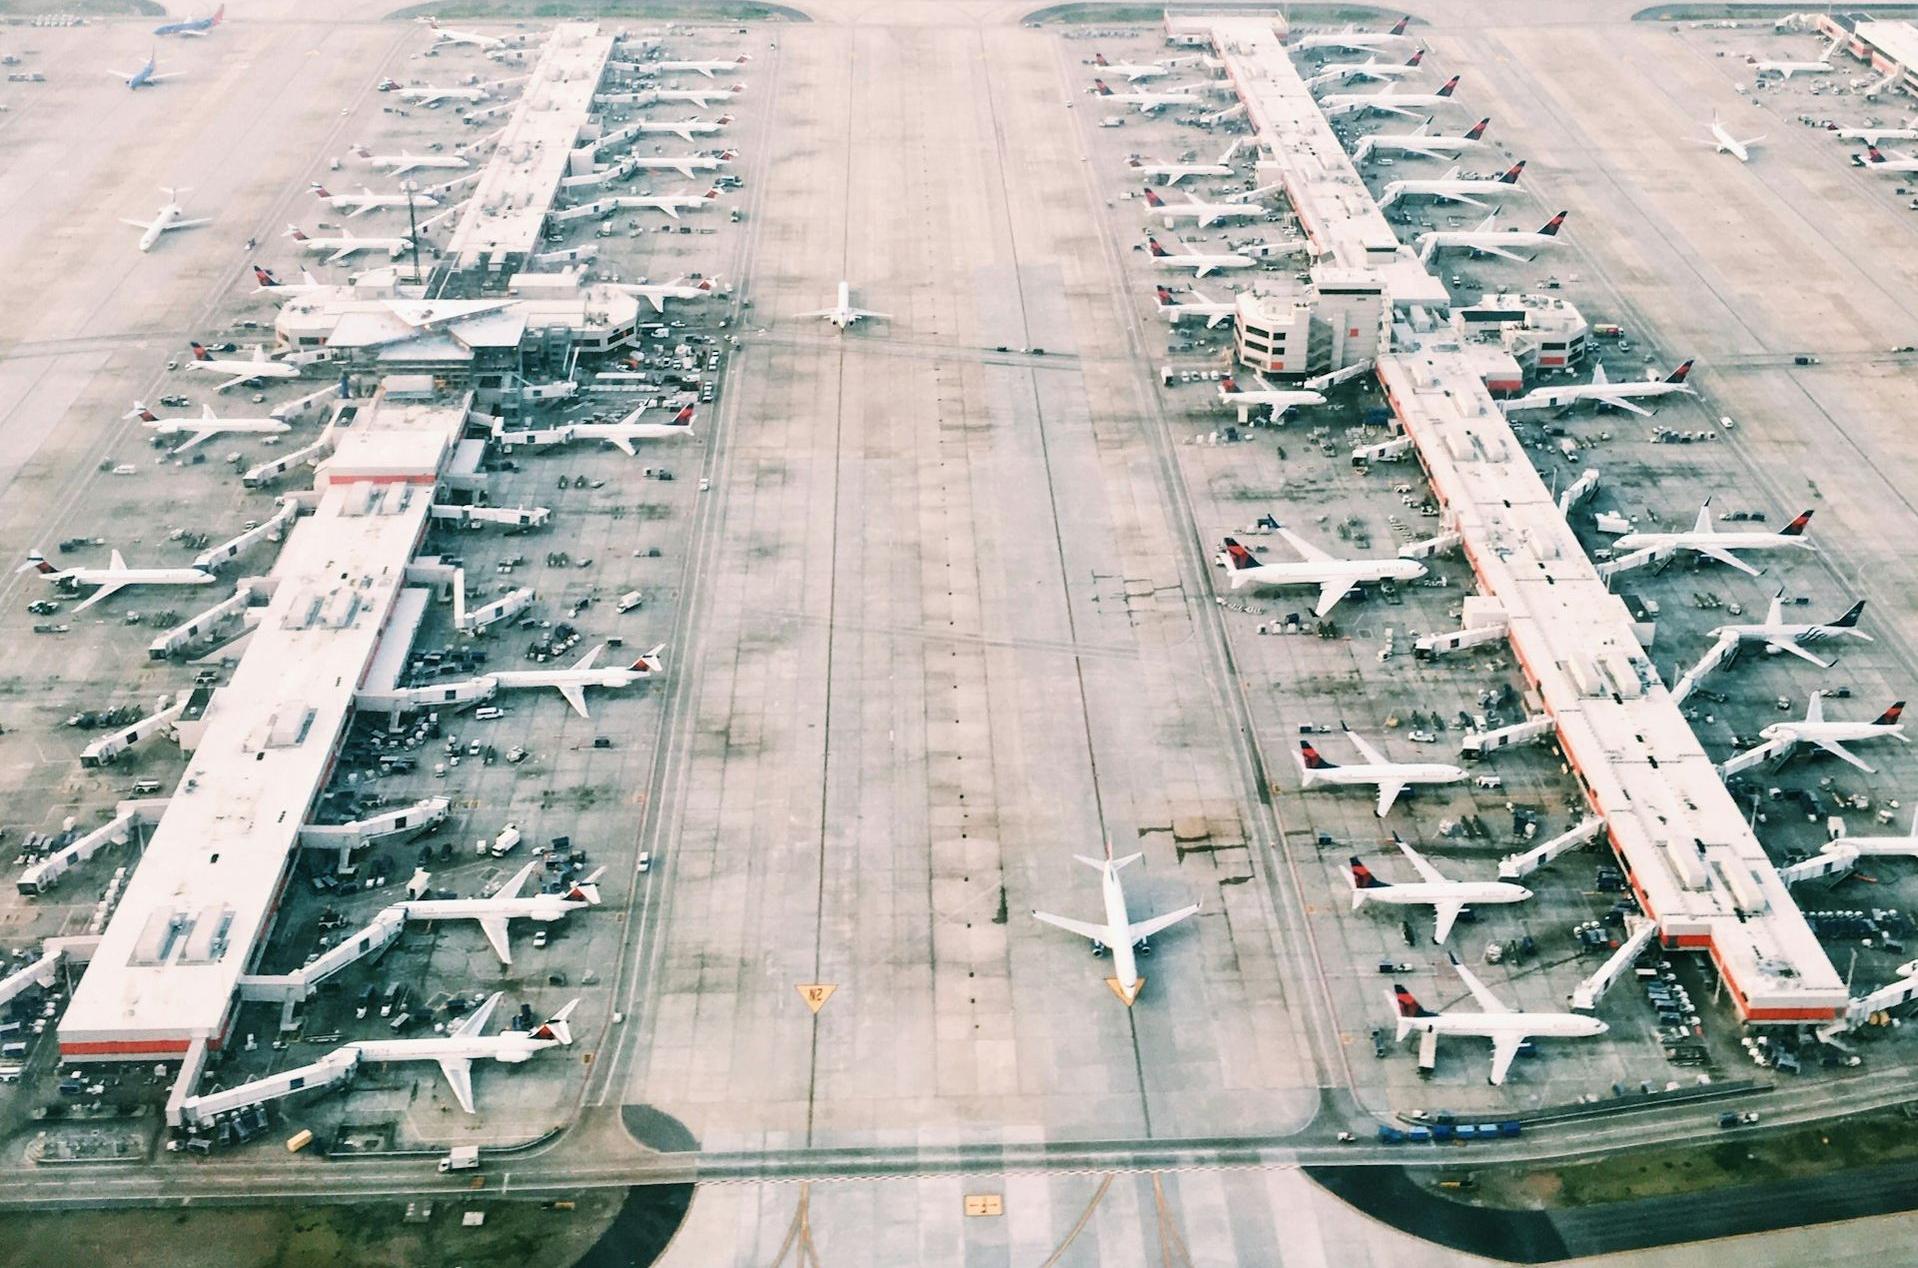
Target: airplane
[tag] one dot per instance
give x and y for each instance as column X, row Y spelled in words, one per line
column 1133, row 72
column 1352, row 39
column 1872, row 136
column 1453, row 188
column 658, row 293
column 113, row 578
column 703, row 98
column 671, row 204
column 1789, row 636
column 684, row 128
column 1391, row 778
column 1877, row 162
column 628, row 429
column 1725, row 143
column 167, row 218
column 1832, row 736
column 507, row 904
column 1785, row 70
column 442, row 35
column 1485, row 240
column 366, row 200
column 1119, row 934
column 206, row 426
column 426, row 95
column 347, row 245
column 463, row 1044
column 1371, row 68
column 1335, row 578
column 260, row 367
column 1423, row 143
column 1446, row 898
column 684, row 164
column 843, row 314
column 1906, row 845
column 267, row 282
column 1173, row 173
column 708, row 69
column 1706, row 541
column 572, row 682
column 1203, row 214
column 1279, row 400
column 193, row 26
column 145, row 75
column 1604, row 391
column 406, row 161
column 1199, row 262
column 1388, row 101
column 1507, row 1028
column 1147, row 102
column 1214, row 311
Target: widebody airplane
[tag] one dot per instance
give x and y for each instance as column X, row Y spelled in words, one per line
column 1507, row 1028
column 1335, row 578
column 170, row 217
column 1485, row 240
column 1704, row 540
column 1446, row 898
column 1119, row 933
column 1621, row 395
column 1390, row 778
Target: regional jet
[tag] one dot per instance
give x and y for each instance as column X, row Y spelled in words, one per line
column 169, row 217
column 843, row 314
column 1203, row 214
column 205, row 427
column 366, row 200
column 1389, row 101
column 508, row 904
column 1173, row 173
column 1200, row 262
column 1506, row 1028
column 1832, row 736
column 1215, row 311
column 1422, row 143
column 464, row 1043
column 1447, row 898
column 1725, row 143
column 1390, row 778
column 1279, row 401
column 1780, row 635
column 145, row 75
column 113, row 578
column 193, row 26
column 1453, row 188
column 1357, row 41
column 260, row 367
column 346, row 245
column 1704, row 540
column 1485, row 240
column 1118, row 934
column 1620, row 395
column 1335, row 578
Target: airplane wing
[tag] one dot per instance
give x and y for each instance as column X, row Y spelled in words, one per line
column 668, row 208
column 1306, row 549
column 1144, row 929
column 871, row 315
column 625, row 444
column 1467, row 199
column 494, row 927
column 474, row 1023
column 172, row 74
column 137, row 224
column 459, row 1077
column 587, row 661
column 1793, row 646
column 1202, row 270
column 818, row 312
column 575, row 696
column 1480, row 992
column 109, row 588
column 1398, row 110
column 1726, row 557
column 1389, row 790
column 1365, row 749
column 514, row 887
column 1830, row 746
column 198, row 437
column 1330, row 593
column 1447, row 914
column 1504, row 1048
column 1425, row 869
column 343, row 253
column 191, row 224
column 1625, row 403
column 118, row 74
column 1503, row 252
column 1423, row 151
column 1096, row 933
column 658, row 303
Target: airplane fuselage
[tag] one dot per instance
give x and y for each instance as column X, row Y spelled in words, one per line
column 1317, row 573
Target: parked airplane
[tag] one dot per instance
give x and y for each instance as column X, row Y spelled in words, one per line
column 1148, row 102
column 1213, row 310
column 1872, row 136
column 628, row 429
column 268, row 282
column 1279, row 400
column 684, row 164
column 1446, row 898
column 1350, row 37
column 708, row 69
column 657, row 294
column 169, row 217
column 1619, row 395
column 572, row 682
column 1200, row 262
column 427, row 95
column 1507, row 1028
column 1371, row 68
column 1903, row 844
column 1119, row 934
column 1791, row 636
column 1173, row 173
column 671, row 204
column 464, row 1043
column 1388, row 101
column 507, row 904
column 1133, row 72
column 1421, row 142
column 192, row 26
column 684, row 128
column 1335, row 578
column 443, row 35
column 1726, row 143
column 111, row 579
column 1877, row 162
column 843, row 314
column 1707, row 541
column 366, row 200
column 1832, row 736
column 346, row 245
column 1785, row 70
column 260, row 367
column 1485, row 240
column 406, row 161
column 1453, row 188
column 1390, row 778
column 702, row 98
column 145, row 75
column 1202, row 213
column 206, row 426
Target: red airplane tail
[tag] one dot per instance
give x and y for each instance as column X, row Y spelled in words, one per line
column 1678, row 375
column 1099, row 59
column 1362, row 877
column 1310, row 757
column 321, row 190
column 684, row 418
column 1872, row 155
column 1451, row 85
column 1238, row 558
column 1478, row 129
column 1099, row 87
column 1797, row 527
column 1229, row 385
column 1553, row 225
column 1415, row 58
column 1890, row 716
column 1512, row 173
column 264, row 276
column 200, row 353
column 1408, row 1003
column 705, row 284
column 1158, row 251
column 1152, row 199
column 1165, row 297
column 219, row 16
column 1398, row 27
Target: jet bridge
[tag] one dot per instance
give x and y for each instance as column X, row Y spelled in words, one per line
column 1714, row 658
column 1479, row 743
column 334, row 1068
column 1586, row 994
column 41, row 877
column 274, row 468
column 482, row 618
column 104, row 750
column 1517, row 865
column 211, row 558
column 290, row 988
column 1578, row 490
column 1835, row 860
column 195, row 627
column 422, row 816
column 474, row 516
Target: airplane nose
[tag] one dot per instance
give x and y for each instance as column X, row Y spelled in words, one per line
column 1523, row 893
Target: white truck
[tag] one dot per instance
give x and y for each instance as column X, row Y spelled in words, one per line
column 462, row 1158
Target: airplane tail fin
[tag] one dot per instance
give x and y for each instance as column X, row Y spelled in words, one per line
column 684, row 418
column 1415, row 58
column 1159, row 252
column 1448, row 88
column 586, row 891
column 1152, row 199
column 1678, row 375
column 1099, row 87
column 1478, row 129
column 1165, row 298
column 1553, row 225
column 1512, row 173
column 320, row 190
column 1890, row 716
column 1409, row 1009
column 1398, row 27
column 1099, row 59
column 649, row 661
column 1362, row 879
column 556, row 1026
column 1850, row 619
column 219, row 15
column 1237, row 557
column 1310, row 760
column 1872, row 155
column 199, row 351
column 1797, row 527
column 36, row 562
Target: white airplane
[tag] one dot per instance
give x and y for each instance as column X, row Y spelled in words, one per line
column 708, row 69
column 1422, row 143
column 1371, row 68
column 260, row 367
column 428, row 95
column 572, row 683
column 366, row 200
column 442, row 35
column 1200, row 262
column 1453, row 188
column 658, row 293
column 207, row 426
column 1725, row 143
column 1202, row 213
column 1215, row 311
column 1872, row 136
column 267, row 282
column 1485, row 240
column 169, row 217
column 1133, row 72
column 685, row 164
column 1601, row 389
column 1279, row 400
column 701, row 98
column 407, row 161
column 1173, row 173
column 1706, row 541
column 145, row 75
column 1791, row 636
column 1390, row 778
column 194, row 27
column 113, row 578
column 628, row 429
column 1352, row 39
column 463, row 1044
column 1905, row 845
column 1506, row 1028
column 671, row 204
column 1335, row 578
column 1446, row 898
column 843, row 314
column 1119, row 934
column 1832, row 736
column 494, row 913
column 1389, row 101
column 1785, row 70
column 347, row 245
column 684, row 128
column 1147, row 102
column 1877, row 162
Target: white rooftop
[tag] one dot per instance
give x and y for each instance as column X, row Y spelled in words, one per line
column 1898, row 41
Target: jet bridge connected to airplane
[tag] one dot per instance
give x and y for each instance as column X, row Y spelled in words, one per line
column 1530, row 731
column 331, row 1070
column 405, row 821
column 211, row 558
column 201, row 625
column 1586, row 994
column 288, row 989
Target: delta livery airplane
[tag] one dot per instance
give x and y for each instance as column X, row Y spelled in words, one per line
column 1119, row 934
column 1447, row 898
column 1507, row 1028
column 1391, row 778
